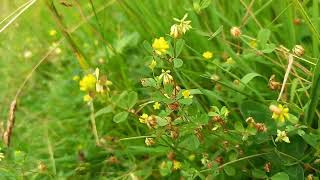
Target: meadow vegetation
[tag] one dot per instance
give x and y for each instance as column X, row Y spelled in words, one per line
column 160, row 89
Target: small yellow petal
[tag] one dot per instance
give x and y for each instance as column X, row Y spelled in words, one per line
column 156, row 105
column 207, row 55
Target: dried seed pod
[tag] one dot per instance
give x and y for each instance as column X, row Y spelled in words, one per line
column 171, row 155
column 174, row 31
column 218, row 87
column 65, row 3
column 273, row 84
column 174, row 133
column 174, row 106
column 298, row 50
column 219, row 160
column 261, row 127
column 235, row 32
column 152, row 121
column 112, row 160
column 267, row 167
column 42, row 168
column 149, row 141
column 199, row 134
column 296, row 21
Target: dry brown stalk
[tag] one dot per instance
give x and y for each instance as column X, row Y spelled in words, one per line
column 10, row 123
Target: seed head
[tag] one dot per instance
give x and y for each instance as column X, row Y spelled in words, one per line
column 298, row 50
column 235, row 32
column 149, row 141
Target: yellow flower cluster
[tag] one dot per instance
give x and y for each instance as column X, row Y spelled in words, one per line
column 207, row 55
column 186, row 94
column 160, row 46
column 88, row 83
column 176, row 165
column 156, row 105
column 92, row 83
column 279, row 112
column 144, row 118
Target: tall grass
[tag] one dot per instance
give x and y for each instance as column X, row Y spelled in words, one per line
column 55, row 127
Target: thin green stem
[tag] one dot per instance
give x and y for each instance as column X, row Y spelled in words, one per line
column 235, row 161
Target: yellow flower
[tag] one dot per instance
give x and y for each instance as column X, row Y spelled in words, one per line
column 282, row 136
column 279, row 112
column 52, row 32
column 76, row 78
column 153, row 64
column 160, row 45
column 156, row 105
column 207, row 55
column 87, row 98
column 176, row 165
column 88, row 83
column 186, row 94
column 143, row 118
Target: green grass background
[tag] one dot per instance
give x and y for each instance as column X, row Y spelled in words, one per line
column 52, row 122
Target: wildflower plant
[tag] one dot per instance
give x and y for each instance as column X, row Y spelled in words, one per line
column 172, row 116
column 157, row 103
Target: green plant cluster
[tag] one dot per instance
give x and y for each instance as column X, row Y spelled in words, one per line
column 170, row 89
